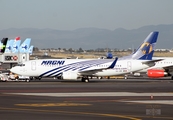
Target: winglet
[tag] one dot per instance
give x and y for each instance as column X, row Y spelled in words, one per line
column 113, row 64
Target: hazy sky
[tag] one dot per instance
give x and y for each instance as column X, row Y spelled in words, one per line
column 73, row 14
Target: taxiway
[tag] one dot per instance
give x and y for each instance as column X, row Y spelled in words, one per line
column 48, row 99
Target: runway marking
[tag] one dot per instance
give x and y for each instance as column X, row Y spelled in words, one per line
column 69, row 112
column 53, row 104
column 167, row 102
column 94, row 94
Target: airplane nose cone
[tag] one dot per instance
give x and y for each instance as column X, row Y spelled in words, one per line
column 13, row 70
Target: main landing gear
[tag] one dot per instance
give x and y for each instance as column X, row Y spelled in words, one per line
column 85, row 79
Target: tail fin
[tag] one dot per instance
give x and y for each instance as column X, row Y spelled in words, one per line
column 17, row 38
column 3, row 44
column 24, row 48
column 146, row 49
column 9, row 46
column 16, row 44
column 30, row 50
column 109, row 55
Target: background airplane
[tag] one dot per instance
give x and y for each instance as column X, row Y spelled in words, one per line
column 13, row 46
column 24, row 47
column 16, row 45
column 160, row 69
column 30, row 50
column 3, row 44
column 83, row 68
column 9, row 46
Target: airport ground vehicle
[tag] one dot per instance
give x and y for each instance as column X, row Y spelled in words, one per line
column 13, row 76
column 21, row 77
column 4, row 77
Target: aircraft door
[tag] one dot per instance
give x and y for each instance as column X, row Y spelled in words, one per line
column 129, row 65
column 33, row 65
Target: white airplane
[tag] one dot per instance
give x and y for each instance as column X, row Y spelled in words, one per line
column 85, row 68
column 161, row 68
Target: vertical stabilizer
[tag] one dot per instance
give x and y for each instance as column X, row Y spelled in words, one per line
column 16, row 44
column 146, row 50
column 9, row 46
column 30, row 50
column 25, row 46
column 3, row 44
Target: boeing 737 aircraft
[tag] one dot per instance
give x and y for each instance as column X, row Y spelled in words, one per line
column 84, row 68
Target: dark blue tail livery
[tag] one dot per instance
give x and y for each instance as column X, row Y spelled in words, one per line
column 146, row 49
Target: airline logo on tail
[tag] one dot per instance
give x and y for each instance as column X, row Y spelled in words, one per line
column 146, row 48
column 30, row 50
column 3, row 43
column 25, row 46
column 16, row 45
column 9, row 46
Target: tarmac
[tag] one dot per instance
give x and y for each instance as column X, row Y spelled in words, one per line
column 51, row 99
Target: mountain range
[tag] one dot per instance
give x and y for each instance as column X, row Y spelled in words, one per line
column 92, row 38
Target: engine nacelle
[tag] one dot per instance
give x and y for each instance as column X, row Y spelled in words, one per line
column 156, row 73
column 69, row 75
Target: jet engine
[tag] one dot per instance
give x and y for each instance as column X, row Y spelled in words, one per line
column 156, row 73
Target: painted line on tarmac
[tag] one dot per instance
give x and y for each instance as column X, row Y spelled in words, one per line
column 71, row 112
column 167, row 102
column 94, row 94
column 53, row 104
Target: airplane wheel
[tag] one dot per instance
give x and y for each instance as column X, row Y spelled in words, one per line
column 86, row 80
column 125, row 77
column 31, row 78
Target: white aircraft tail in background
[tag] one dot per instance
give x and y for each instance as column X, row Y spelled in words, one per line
column 30, row 50
column 24, row 47
column 16, row 45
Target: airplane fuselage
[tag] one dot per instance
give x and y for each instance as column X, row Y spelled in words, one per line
column 55, row 67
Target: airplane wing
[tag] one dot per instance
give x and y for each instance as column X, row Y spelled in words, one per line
column 89, row 72
column 170, row 67
column 151, row 62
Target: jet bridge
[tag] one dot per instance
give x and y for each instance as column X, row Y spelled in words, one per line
column 14, row 57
